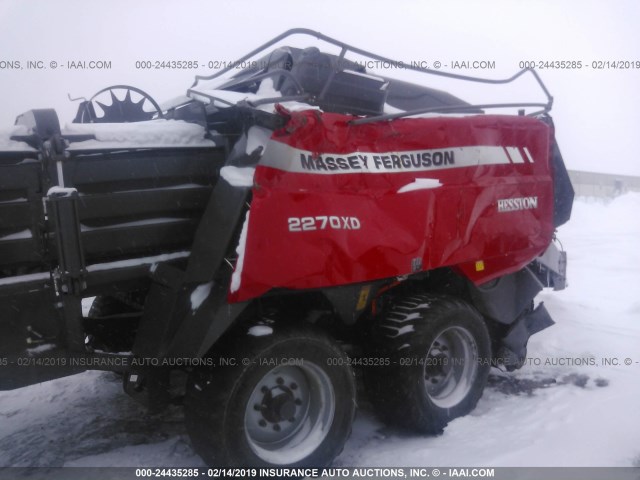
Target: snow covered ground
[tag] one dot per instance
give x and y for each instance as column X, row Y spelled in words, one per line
column 563, row 414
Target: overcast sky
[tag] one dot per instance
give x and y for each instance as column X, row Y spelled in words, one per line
column 596, row 112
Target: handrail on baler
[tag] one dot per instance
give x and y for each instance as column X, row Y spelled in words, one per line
column 546, row 107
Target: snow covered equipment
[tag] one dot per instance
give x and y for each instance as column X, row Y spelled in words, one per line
column 292, row 219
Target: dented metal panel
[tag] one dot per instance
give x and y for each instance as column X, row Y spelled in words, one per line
column 336, row 203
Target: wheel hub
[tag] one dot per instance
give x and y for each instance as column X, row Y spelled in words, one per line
column 450, row 367
column 439, row 361
column 278, row 405
column 289, row 412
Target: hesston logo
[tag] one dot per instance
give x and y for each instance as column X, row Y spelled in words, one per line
column 378, row 162
column 515, row 204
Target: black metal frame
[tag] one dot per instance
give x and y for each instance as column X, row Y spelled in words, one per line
column 545, row 107
column 87, row 114
column 66, row 262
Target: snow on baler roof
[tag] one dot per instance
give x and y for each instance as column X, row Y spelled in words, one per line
column 7, row 144
column 148, row 134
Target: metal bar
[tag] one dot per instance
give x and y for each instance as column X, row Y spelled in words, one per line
column 320, row 36
column 288, row 98
column 253, row 103
column 63, row 208
column 144, row 204
column 269, row 74
column 254, row 52
column 391, row 116
column 327, row 84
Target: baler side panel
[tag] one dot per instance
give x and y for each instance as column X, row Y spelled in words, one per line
column 317, row 222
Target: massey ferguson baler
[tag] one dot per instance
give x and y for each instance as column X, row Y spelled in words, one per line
column 252, row 244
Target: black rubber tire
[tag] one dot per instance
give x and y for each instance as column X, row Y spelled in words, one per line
column 218, row 414
column 112, row 322
column 403, row 337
